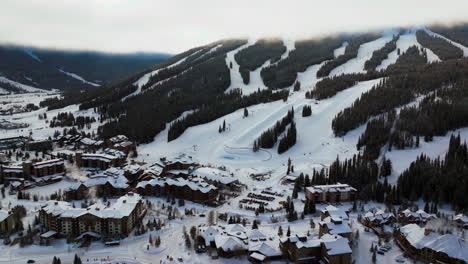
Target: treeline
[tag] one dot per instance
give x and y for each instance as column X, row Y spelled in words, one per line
column 195, row 58
column 376, row 135
column 306, row 110
column 254, row 56
column 397, row 90
column 68, row 119
column 306, row 53
column 458, row 33
column 351, row 51
column 442, row 48
column 381, row 54
column 445, row 110
column 289, row 139
column 330, row 86
column 412, row 57
column 436, row 180
column 223, row 105
column 269, row 137
column 356, row 171
column 142, row 117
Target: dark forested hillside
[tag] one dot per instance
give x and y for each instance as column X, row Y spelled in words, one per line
column 442, row 48
column 351, row 51
column 306, row 53
column 254, row 56
column 457, row 33
column 47, row 69
column 381, row 54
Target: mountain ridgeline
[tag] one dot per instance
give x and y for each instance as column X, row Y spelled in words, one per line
column 196, row 82
column 59, row 69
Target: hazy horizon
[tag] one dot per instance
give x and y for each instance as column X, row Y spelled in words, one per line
column 125, row 26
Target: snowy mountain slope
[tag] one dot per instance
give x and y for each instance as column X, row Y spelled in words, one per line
column 79, row 78
column 146, row 77
column 401, row 159
column 364, row 53
column 256, row 82
column 404, row 42
column 39, row 67
column 465, row 49
column 341, row 50
column 20, row 86
column 316, row 141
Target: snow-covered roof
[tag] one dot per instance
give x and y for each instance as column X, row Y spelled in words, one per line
column 462, row 218
column 3, row 215
column 336, row 228
column 229, row 243
column 233, row 228
column 449, row 244
column 337, row 247
column 265, row 249
column 335, row 212
column 48, row 234
column 48, row 163
column 257, row 256
column 123, row 207
column 330, row 188
column 421, row 214
column 255, row 234
column 99, row 156
column 213, row 174
column 88, row 141
column 118, row 138
column 194, row 184
column 13, row 169
column 209, row 233
column 116, row 153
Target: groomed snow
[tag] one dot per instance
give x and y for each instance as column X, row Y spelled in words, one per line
column 341, row 50
column 364, row 54
column 25, row 88
column 79, row 78
column 404, row 42
column 401, row 159
column 316, row 144
column 146, row 77
column 463, row 48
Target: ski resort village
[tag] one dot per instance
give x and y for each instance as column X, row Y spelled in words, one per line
column 253, row 151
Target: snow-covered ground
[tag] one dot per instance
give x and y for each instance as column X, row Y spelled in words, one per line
column 364, row 54
column 404, row 42
column 463, row 48
column 39, row 128
column 401, row 159
column 79, row 78
column 23, row 87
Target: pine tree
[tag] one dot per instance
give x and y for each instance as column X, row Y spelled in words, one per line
column 255, row 224
column 288, row 232
column 280, row 231
column 77, row 260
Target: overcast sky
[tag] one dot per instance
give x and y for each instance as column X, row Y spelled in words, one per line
column 173, row 26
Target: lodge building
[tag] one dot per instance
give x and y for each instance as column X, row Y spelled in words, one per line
column 50, row 170
column 112, row 221
column 193, row 189
column 334, row 193
column 97, row 160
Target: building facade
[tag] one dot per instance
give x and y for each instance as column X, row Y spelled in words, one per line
column 334, row 193
column 114, row 221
